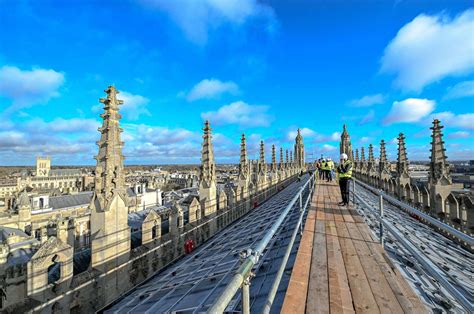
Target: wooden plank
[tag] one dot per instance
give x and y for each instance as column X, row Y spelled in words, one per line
column 408, row 299
column 295, row 298
column 362, row 294
column 384, row 296
column 318, row 289
column 340, row 299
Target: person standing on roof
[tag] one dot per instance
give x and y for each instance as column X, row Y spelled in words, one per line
column 329, row 169
column 345, row 174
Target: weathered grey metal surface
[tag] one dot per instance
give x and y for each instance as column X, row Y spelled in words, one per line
column 195, row 282
column 440, row 270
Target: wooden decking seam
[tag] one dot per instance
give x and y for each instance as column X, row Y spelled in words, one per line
column 341, row 268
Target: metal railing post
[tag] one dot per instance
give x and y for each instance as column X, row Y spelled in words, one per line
column 250, row 258
column 381, row 218
column 353, row 192
column 246, row 296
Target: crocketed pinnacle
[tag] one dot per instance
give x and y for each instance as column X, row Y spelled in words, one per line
column 109, row 175
column 208, row 171
column 402, row 160
column 439, row 167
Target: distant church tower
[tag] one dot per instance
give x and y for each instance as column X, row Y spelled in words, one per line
column 43, row 165
column 207, row 184
column 345, row 145
column 109, row 212
column 299, row 151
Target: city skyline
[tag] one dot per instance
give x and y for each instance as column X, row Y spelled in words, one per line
column 258, row 68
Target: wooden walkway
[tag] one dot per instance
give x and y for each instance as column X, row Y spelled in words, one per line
column 341, row 268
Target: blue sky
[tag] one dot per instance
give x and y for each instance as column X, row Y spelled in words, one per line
column 260, row 67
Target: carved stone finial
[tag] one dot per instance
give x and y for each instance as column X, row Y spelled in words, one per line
column 274, row 163
column 345, row 146
column 109, row 176
column 243, row 150
column 261, row 164
column 384, row 165
column 299, row 151
column 208, row 171
column 281, row 159
column 439, row 167
column 371, row 153
column 402, row 160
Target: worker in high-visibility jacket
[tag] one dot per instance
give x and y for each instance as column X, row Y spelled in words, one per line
column 345, row 174
column 329, row 169
column 323, row 168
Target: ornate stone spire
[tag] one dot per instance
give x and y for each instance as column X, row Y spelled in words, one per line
column 384, row 165
column 383, row 152
column 274, row 162
column 110, row 233
column 262, row 166
column 24, row 199
column 299, row 151
column 291, row 157
column 371, row 153
column 109, row 176
column 208, row 171
column 207, row 184
column 282, row 166
column 402, row 160
column 439, row 167
column 243, row 166
column 243, row 150
column 287, row 160
column 371, row 161
column 362, row 163
column 356, row 160
column 24, row 210
column 345, row 145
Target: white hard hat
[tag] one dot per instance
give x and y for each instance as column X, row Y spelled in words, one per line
column 344, row 156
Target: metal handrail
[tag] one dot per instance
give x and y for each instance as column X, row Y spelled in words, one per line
column 447, row 228
column 279, row 275
column 242, row 275
column 465, row 303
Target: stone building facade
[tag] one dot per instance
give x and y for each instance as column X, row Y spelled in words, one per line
column 80, row 252
column 438, row 196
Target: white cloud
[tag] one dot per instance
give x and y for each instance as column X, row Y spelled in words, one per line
column 409, row 110
column 60, row 125
column 336, row 136
column 430, row 48
column 158, row 135
column 328, row 148
column 365, row 139
column 368, row 101
column 305, row 132
column 369, row 117
column 239, row 113
column 447, row 118
column 26, row 88
column 134, row 105
column 459, row 134
column 197, row 18
column 460, row 90
column 211, row 88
